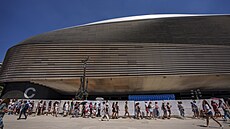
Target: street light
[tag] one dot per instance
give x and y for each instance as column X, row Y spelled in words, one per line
column 196, row 94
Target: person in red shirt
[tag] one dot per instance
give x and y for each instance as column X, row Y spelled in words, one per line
column 215, row 108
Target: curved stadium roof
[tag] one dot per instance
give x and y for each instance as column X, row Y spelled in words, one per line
column 170, row 28
column 144, row 17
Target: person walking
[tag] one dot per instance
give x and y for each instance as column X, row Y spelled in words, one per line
column 126, row 109
column 146, row 109
column 39, row 107
column 150, row 108
column 215, row 108
column 31, row 108
column 135, row 111
column 228, row 102
column 76, row 109
column 156, row 110
column 116, row 110
column 83, row 110
column 94, row 110
column 105, row 112
column 208, row 112
column 3, row 109
column 113, row 111
column 44, row 108
column 49, row 108
column 66, row 109
column 18, row 106
column 56, row 109
column 90, row 109
column 138, row 111
column 163, row 108
column 99, row 110
column 168, row 106
column 71, row 111
column 24, row 108
column 181, row 109
column 225, row 109
column 194, row 109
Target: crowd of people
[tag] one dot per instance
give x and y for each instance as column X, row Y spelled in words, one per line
column 104, row 110
column 90, row 109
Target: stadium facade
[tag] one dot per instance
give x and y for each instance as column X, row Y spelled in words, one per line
column 148, row 54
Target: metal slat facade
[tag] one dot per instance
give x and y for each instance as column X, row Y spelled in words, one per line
column 184, row 59
column 182, row 46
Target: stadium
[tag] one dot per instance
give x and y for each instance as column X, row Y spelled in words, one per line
column 138, row 55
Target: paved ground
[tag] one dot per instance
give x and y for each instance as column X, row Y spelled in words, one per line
column 49, row 122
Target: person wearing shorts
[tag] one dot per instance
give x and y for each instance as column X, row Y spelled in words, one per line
column 209, row 114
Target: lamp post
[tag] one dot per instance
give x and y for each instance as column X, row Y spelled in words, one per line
column 196, row 94
column 83, row 89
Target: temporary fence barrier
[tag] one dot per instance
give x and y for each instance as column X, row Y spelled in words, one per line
column 174, row 103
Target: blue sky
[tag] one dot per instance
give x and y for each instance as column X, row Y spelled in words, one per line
column 21, row 19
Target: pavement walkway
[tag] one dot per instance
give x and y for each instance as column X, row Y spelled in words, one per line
column 50, row 122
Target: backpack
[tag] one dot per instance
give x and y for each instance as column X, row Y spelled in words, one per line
column 26, row 106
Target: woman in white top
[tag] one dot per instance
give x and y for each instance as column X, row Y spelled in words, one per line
column 150, row 108
column 208, row 112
